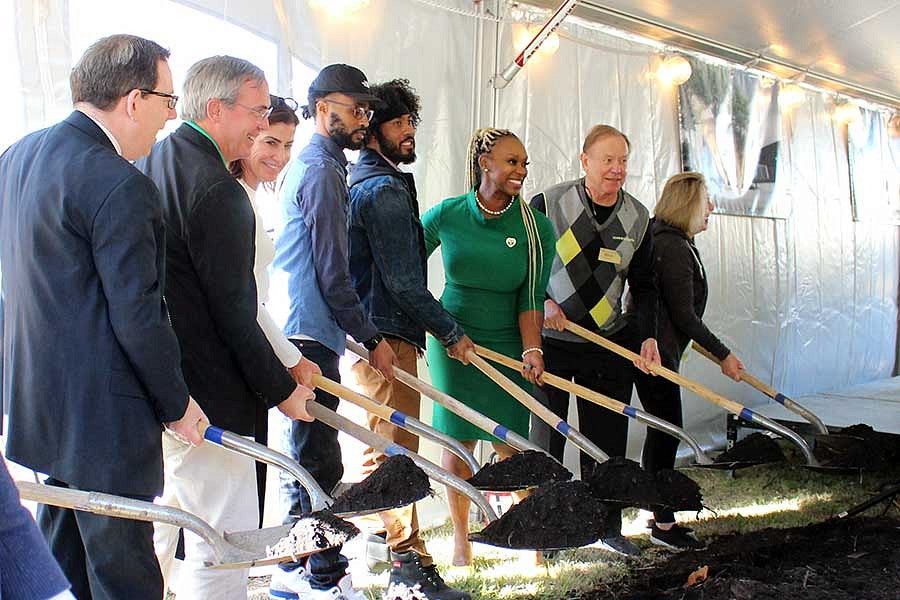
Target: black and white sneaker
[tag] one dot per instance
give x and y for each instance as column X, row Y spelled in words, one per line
column 619, row 544
column 676, row 538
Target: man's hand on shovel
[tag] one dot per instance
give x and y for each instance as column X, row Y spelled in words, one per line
column 303, row 371
column 185, row 429
column 294, row 406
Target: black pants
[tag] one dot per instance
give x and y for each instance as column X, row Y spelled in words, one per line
column 602, row 371
column 661, row 398
column 104, row 558
column 315, row 446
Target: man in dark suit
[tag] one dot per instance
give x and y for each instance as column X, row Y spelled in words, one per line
column 229, row 365
column 91, row 365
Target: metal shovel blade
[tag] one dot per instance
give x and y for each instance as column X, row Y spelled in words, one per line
column 479, row 538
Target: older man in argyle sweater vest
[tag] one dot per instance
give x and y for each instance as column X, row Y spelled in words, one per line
column 603, row 240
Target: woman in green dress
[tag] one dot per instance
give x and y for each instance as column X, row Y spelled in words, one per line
column 497, row 253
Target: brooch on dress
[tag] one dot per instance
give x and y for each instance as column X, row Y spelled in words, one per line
column 510, row 242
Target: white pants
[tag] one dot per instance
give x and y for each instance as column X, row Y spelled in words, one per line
column 219, row 486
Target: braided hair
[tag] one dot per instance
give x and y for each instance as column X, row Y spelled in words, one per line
column 483, row 142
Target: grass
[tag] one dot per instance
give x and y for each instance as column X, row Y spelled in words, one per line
column 765, row 496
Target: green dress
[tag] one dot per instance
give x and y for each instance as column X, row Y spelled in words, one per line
column 486, row 271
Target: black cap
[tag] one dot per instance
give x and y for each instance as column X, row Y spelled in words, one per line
column 343, row 79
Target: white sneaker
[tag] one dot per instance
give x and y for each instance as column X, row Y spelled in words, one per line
column 342, row 591
column 290, row 585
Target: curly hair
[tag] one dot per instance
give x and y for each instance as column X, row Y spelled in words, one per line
column 400, row 98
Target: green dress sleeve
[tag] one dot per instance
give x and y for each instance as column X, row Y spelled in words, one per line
column 533, row 298
column 431, row 224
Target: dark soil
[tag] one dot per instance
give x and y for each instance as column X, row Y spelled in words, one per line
column 678, row 491
column 856, row 559
column 397, row 482
column 621, row 482
column 329, row 524
column 755, row 448
column 557, row 515
column 520, row 471
column 856, row 447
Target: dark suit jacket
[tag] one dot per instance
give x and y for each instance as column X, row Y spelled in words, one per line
column 91, row 364
column 228, row 363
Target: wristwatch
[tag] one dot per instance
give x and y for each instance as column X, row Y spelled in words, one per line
column 373, row 342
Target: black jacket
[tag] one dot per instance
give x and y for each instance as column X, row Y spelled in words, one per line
column 228, row 363
column 683, row 292
column 90, row 363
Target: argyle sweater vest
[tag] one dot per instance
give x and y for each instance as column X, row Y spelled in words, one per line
column 592, row 258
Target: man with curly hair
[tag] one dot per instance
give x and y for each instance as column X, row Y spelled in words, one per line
column 388, row 266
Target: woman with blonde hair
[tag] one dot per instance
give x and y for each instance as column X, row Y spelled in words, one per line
column 682, row 212
column 497, row 252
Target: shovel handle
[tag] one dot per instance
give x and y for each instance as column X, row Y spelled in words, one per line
column 701, row 390
column 770, row 392
column 455, row 406
column 400, row 419
column 604, row 401
column 319, row 499
column 544, row 413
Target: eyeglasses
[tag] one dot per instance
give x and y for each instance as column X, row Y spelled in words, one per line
column 172, row 98
column 358, row 111
column 260, row 113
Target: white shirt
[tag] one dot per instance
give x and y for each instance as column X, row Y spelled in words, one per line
column 108, row 133
column 287, row 353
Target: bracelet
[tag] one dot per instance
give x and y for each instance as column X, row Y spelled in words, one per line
column 537, row 349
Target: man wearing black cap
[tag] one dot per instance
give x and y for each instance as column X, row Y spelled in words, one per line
column 312, row 252
column 388, row 264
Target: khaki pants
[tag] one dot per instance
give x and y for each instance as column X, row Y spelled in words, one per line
column 402, row 524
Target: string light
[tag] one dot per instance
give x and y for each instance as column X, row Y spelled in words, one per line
column 340, row 8
column 523, row 35
column 674, row 70
column 844, row 112
column 790, row 95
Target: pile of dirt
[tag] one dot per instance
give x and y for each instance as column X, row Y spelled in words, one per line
column 621, row 483
column 755, row 448
column 520, row 471
column 397, row 482
column 678, row 491
column 834, row 560
column 562, row 514
column 856, row 447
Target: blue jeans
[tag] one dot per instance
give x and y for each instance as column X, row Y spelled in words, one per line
column 315, row 446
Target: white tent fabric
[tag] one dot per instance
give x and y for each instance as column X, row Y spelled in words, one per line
column 809, row 302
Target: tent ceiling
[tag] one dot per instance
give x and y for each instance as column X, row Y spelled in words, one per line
column 845, row 45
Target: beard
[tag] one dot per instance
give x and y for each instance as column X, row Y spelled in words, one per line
column 337, row 131
column 393, row 152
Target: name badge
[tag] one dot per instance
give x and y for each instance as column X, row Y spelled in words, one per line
column 610, row 256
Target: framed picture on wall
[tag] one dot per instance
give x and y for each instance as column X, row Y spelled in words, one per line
column 873, row 153
column 731, row 132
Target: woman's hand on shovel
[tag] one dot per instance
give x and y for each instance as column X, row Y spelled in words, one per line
column 294, row 406
column 185, row 429
column 649, row 355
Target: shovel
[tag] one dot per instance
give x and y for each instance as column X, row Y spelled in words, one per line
column 238, row 550
column 453, row 405
column 389, row 448
column 544, row 413
column 606, row 402
column 318, row 498
column 771, row 393
column 706, row 393
column 404, row 421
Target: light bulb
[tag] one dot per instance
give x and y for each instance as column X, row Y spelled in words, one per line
column 791, row 95
column 340, row 8
column 674, row 70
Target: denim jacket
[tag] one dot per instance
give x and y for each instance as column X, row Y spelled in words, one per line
column 312, row 249
column 387, row 254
